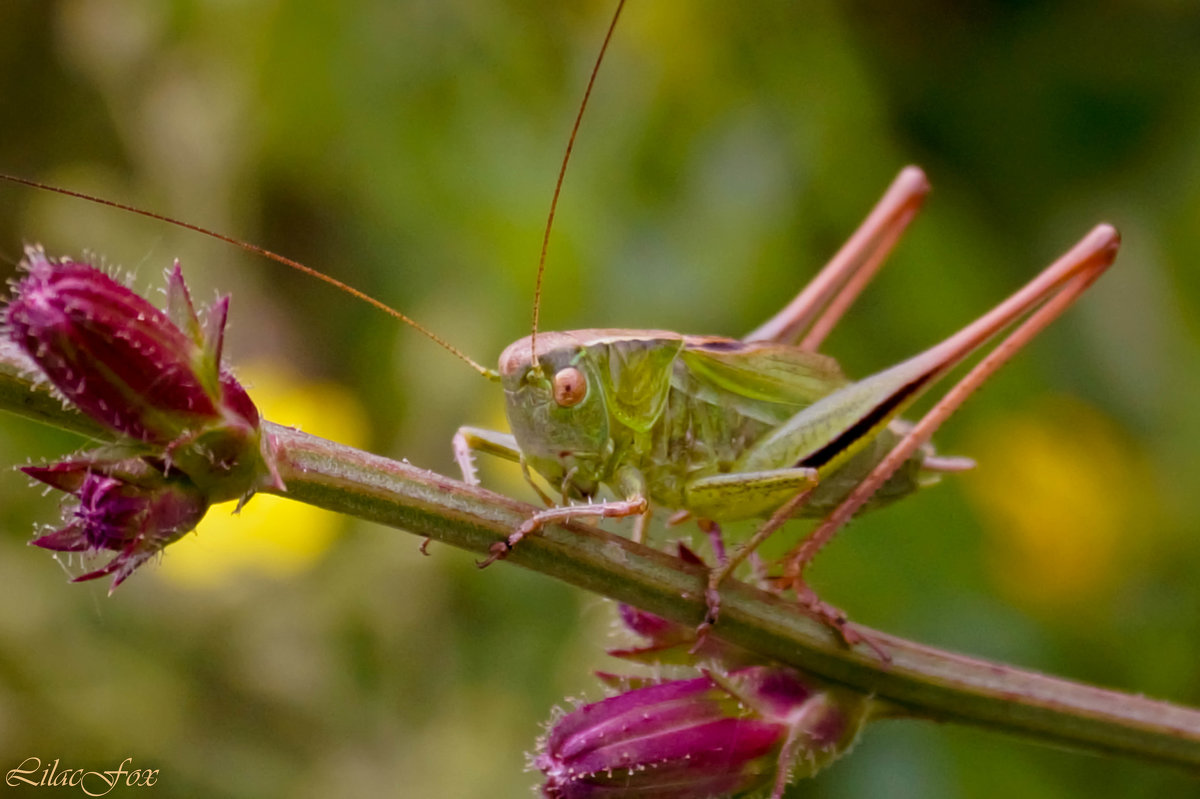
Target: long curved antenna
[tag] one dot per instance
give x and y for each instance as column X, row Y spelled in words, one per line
column 254, row 248
column 562, row 171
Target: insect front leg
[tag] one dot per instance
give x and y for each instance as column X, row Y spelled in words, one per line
column 469, row 440
column 631, row 484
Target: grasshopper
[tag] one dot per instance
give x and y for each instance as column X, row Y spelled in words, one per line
column 726, row 429
column 723, row 429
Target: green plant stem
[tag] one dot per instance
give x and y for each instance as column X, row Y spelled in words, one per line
column 921, row 680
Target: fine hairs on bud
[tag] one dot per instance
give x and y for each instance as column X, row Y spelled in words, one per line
column 187, row 435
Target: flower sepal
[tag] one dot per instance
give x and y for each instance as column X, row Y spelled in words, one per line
column 670, row 643
column 153, row 377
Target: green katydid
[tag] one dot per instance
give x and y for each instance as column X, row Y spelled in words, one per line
column 728, row 429
column 760, row 427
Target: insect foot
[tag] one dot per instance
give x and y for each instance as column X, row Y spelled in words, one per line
column 497, row 551
column 500, row 549
column 833, row 617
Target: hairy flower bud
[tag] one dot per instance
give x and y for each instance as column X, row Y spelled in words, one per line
column 152, row 376
column 712, row 736
column 189, row 435
column 129, row 507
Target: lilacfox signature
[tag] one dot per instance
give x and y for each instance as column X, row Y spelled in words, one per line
column 91, row 782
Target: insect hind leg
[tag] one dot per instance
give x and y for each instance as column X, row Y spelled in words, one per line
column 814, row 312
column 1063, row 282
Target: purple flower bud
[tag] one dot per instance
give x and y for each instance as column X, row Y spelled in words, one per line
column 712, row 736
column 191, row 436
column 109, row 351
column 129, row 507
column 152, row 377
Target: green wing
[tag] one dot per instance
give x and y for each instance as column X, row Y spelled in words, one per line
column 762, row 372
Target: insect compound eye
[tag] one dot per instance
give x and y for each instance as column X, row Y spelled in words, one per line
column 570, row 387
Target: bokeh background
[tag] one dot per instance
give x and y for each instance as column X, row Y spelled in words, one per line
column 409, row 147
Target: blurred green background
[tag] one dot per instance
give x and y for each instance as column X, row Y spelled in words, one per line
column 409, row 147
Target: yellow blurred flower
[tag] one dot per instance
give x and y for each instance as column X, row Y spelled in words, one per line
column 270, row 535
column 1063, row 495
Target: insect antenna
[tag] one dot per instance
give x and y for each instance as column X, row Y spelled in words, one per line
column 562, row 171
column 274, row 256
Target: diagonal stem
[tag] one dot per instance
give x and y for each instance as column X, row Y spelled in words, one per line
column 921, row 680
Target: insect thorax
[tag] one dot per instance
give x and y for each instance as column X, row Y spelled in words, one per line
column 702, row 429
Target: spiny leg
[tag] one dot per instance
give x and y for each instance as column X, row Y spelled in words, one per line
column 615, row 509
column 826, row 613
column 469, row 440
column 464, row 456
column 761, row 490
column 1036, row 303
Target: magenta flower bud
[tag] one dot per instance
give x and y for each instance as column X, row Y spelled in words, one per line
column 190, row 435
column 129, row 507
column 110, row 352
column 713, row 736
column 151, row 376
